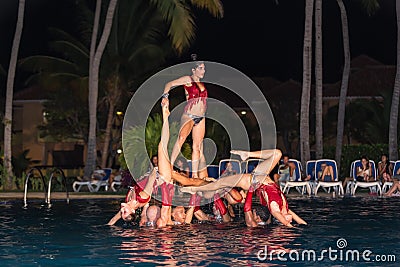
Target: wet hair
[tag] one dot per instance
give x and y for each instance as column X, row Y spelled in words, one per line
column 263, row 212
column 196, row 63
column 386, row 155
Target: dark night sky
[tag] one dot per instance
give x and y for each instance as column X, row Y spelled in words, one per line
column 259, row 38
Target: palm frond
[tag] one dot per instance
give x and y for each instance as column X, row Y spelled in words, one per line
column 182, row 27
column 73, row 53
column 370, row 6
column 214, row 7
column 47, row 64
column 59, row 34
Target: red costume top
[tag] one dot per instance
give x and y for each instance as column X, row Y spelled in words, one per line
column 272, row 192
column 195, row 94
column 138, row 187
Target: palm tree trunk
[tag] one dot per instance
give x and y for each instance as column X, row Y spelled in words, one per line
column 345, row 83
column 319, row 146
column 305, row 95
column 394, row 110
column 9, row 96
column 107, row 137
column 94, row 90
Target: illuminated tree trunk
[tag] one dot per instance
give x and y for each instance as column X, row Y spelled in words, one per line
column 319, row 146
column 394, row 110
column 305, row 95
column 9, row 95
column 94, row 86
column 345, row 83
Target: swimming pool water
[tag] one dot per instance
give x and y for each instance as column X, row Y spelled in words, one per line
column 75, row 234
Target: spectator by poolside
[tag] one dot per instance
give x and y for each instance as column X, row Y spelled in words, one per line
column 363, row 173
column 228, row 170
column 385, row 169
column 326, row 173
column 286, row 170
column 393, row 189
column 396, row 176
column 182, row 166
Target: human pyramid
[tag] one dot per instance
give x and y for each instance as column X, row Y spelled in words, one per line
column 200, row 185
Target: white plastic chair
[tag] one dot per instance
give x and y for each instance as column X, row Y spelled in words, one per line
column 301, row 186
column 93, row 186
column 236, row 166
column 387, row 185
column 335, row 184
column 375, row 185
column 250, row 164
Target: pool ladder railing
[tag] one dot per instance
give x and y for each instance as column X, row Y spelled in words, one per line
column 47, row 189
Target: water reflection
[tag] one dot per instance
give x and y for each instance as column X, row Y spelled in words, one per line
column 76, row 234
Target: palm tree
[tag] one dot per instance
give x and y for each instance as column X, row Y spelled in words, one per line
column 305, row 95
column 181, row 32
column 394, row 110
column 318, row 80
column 94, row 68
column 345, row 82
column 9, row 95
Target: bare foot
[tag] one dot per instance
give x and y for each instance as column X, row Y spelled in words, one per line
column 243, row 154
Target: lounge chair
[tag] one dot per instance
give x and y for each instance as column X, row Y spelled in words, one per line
column 236, row 166
column 116, row 182
column 301, row 186
column 387, row 185
column 373, row 186
column 310, row 169
column 212, row 171
column 93, row 185
column 335, row 184
column 250, row 164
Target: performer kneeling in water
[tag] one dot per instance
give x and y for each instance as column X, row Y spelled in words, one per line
column 270, row 193
column 139, row 195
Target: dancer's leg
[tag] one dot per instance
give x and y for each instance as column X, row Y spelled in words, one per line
column 202, row 165
column 198, row 132
column 185, row 181
column 224, row 182
column 186, row 126
column 164, row 165
column 148, row 189
column 271, row 158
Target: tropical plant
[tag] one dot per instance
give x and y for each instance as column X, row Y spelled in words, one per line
column 66, row 116
column 367, row 121
column 181, row 32
column 140, row 143
column 9, row 96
